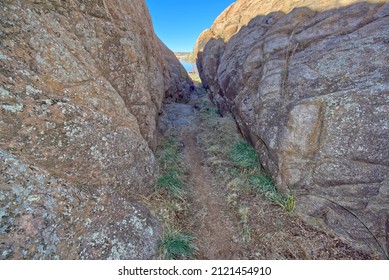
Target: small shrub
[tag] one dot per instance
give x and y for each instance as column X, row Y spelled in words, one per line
column 244, row 155
column 176, row 245
column 262, row 182
column 169, row 156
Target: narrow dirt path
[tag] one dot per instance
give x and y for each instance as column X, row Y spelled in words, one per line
column 214, row 227
column 211, row 222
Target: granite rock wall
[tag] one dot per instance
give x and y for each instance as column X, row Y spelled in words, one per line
column 308, row 84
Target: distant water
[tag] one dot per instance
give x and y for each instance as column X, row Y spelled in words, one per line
column 188, row 67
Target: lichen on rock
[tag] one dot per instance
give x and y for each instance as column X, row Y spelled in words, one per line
column 82, row 83
column 43, row 217
column 307, row 82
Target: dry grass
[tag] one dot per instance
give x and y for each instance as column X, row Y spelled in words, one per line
column 169, row 202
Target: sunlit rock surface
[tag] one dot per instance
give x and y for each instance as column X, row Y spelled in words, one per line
column 178, row 85
column 82, row 83
column 308, row 84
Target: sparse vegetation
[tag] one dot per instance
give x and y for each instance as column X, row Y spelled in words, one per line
column 207, row 111
column 244, row 155
column 195, row 78
column 264, row 184
column 183, row 74
column 183, row 55
column 171, row 180
column 169, row 201
column 243, row 213
column 176, row 245
column 171, row 171
column 170, row 153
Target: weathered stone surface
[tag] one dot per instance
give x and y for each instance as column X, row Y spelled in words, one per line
column 308, row 83
column 43, row 217
column 82, row 83
column 177, row 82
column 176, row 115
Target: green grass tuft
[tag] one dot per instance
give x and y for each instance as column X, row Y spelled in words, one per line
column 176, row 245
column 244, row 155
column 171, row 180
column 289, row 204
column 170, row 154
column 264, row 184
column 171, row 173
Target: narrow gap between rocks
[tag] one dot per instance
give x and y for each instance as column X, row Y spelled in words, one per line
column 223, row 217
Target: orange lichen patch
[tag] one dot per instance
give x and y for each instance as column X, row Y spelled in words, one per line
column 20, row 52
column 56, row 114
column 127, row 122
column 303, row 130
column 54, row 86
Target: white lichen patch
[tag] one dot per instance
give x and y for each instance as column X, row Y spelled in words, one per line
column 48, row 101
column 4, row 92
column 87, row 223
column 41, row 60
column 120, row 249
column 73, row 132
column 24, row 73
column 137, row 223
column 50, row 125
column 96, row 153
column 33, row 198
column 30, row 90
column 12, row 108
column 3, row 213
column 4, row 57
column 98, row 238
column 6, row 253
column 149, row 231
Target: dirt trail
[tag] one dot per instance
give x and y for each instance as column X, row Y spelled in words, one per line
column 214, row 226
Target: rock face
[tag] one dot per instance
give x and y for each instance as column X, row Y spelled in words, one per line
column 178, row 84
column 43, row 217
column 308, row 84
column 82, row 84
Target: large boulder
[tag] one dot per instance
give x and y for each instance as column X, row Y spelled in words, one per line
column 308, row 84
column 82, row 83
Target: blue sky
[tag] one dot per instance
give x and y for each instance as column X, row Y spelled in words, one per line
column 178, row 23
